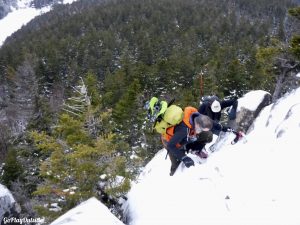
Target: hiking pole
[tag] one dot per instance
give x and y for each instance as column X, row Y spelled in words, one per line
column 201, row 84
column 171, row 102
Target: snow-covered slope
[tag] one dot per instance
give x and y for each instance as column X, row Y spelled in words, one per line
column 6, row 200
column 20, row 16
column 90, row 212
column 253, row 182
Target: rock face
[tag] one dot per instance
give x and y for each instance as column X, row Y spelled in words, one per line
column 246, row 116
column 5, row 7
column 8, row 206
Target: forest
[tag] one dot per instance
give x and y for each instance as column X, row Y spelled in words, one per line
column 74, row 81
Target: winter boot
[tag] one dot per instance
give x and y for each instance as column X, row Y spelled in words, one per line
column 238, row 136
column 172, row 172
column 174, row 165
column 202, row 154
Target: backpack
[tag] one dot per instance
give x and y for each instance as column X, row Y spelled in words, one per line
column 163, row 115
column 188, row 111
column 172, row 116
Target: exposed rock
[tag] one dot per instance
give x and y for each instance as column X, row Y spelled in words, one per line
column 8, row 206
column 246, row 116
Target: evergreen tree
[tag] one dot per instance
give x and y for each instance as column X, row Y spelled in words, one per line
column 12, row 169
column 74, row 158
column 295, row 42
column 277, row 68
column 93, row 89
column 126, row 113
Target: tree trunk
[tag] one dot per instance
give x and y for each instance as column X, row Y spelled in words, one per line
column 278, row 86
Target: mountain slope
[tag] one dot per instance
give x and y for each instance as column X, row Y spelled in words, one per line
column 254, row 182
column 19, row 13
column 16, row 19
column 248, row 183
column 163, row 44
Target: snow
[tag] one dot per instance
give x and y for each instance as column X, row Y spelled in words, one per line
column 6, row 200
column 69, row 1
column 251, row 100
column 23, row 3
column 90, row 212
column 16, row 19
column 253, row 182
column 20, row 16
column 5, row 192
column 298, row 75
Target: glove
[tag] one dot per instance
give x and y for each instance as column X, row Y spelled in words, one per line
column 226, row 129
column 188, row 162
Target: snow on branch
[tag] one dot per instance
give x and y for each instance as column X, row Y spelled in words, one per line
column 77, row 104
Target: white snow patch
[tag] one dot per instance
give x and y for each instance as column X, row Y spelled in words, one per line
column 251, row 100
column 5, row 192
column 91, row 212
column 20, row 16
column 16, row 19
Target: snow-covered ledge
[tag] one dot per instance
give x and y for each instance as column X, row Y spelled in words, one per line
column 7, row 201
column 90, row 212
column 249, row 107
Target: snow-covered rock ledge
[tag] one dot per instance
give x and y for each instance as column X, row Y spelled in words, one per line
column 249, row 107
column 90, row 212
column 8, row 205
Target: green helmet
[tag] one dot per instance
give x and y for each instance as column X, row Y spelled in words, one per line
column 156, row 108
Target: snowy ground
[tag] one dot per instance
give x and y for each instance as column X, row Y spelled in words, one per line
column 90, row 212
column 19, row 17
column 6, row 200
column 248, row 183
column 254, row 182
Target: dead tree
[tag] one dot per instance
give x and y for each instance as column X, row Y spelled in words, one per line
column 285, row 68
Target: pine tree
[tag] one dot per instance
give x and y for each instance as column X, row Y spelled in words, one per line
column 74, row 158
column 295, row 42
column 126, row 113
column 93, row 89
column 12, row 169
column 277, row 68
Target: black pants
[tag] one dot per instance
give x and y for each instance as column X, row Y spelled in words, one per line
column 202, row 139
column 174, row 163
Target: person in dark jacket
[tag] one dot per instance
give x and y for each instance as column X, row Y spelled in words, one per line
column 193, row 133
column 212, row 107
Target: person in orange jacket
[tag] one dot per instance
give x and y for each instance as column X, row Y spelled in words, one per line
column 193, row 133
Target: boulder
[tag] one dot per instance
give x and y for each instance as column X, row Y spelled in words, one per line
column 249, row 107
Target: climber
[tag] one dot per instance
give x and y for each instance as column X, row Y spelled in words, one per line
column 212, row 107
